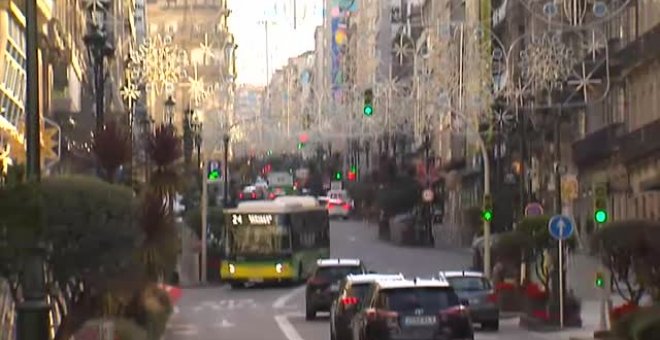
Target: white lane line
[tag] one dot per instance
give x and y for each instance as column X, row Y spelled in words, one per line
column 282, row 300
column 287, row 328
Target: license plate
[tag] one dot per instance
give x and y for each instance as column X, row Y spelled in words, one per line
column 419, row 320
column 334, row 288
column 257, row 280
column 474, row 301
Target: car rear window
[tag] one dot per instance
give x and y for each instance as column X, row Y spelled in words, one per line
column 338, row 272
column 469, row 283
column 359, row 291
column 409, row 299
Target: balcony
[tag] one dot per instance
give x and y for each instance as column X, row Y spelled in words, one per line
column 640, row 51
column 597, row 146
column 641, row 142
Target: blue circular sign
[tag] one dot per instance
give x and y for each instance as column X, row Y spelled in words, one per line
column 561, row 227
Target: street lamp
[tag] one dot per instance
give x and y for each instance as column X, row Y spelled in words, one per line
column 196, row 127
column 169, row 110
column 99, row 48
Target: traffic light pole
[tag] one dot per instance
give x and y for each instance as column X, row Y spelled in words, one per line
column 225, row 198
column 204, row 211
column 486, row 222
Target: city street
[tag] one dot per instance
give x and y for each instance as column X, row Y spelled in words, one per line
column 277, row 312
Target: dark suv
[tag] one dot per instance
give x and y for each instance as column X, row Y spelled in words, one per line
column 323, row 285
column 352, row 293
column 413, row 310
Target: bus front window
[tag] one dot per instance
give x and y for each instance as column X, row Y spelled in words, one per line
column 259, row 240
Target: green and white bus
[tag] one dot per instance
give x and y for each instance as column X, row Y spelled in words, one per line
column 276, row 240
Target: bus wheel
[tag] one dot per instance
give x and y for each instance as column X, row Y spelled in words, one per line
column 300, row 272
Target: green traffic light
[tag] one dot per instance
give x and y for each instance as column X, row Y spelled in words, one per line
column 600, row 282
column 301, row 145
column 487, row 215
column 214, row 175
column 600, row 216
column 338, row 176
column 368, row 110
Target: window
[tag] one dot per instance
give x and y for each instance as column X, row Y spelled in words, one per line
column 428, row 299
column 467, row 283
column 338, row 272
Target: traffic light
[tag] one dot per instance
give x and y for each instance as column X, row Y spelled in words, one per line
column 368, row 108
column 352, row 173
column 487, row 212
column 338, row 176
column 600, row 202
column 600, row 280
column 214, row 173
column 301, row 145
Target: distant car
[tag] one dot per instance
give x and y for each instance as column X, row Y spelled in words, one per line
column 250, row 193
column 478, row 291
column 323, row 285
column 339, row 204
column 413, row 309
column 352, row 293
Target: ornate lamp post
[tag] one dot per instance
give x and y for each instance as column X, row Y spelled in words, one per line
column 99, row 48
column 169, row 110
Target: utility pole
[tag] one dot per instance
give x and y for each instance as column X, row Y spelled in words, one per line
column 204, row 211
column 33, row 312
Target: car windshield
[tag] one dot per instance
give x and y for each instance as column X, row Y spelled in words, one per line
column 259, row 240
column 337, row 272
column 428, row 299
column 469, row 283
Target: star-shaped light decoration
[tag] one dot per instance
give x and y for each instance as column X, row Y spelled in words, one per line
column 197, row 89
column 130, row 93
column 207, row 48
column 50, row 142
column 403, row 48
column 584, row 81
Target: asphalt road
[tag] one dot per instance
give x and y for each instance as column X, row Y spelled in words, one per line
column 277, row 313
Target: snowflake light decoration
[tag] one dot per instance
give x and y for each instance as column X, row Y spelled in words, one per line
column 575, row 13
column 158, row 63
column 130, row 93
column 546, row 62
column 565, row 67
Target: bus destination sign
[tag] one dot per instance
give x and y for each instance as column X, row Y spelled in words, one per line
column 252, row 219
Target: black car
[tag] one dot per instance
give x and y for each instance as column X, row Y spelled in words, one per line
column 352, row 292
column 413, row 310
column 323, row 285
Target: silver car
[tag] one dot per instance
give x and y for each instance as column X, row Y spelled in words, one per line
column 478, row 291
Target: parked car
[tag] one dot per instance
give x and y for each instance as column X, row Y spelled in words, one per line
column 339, row 204
column 478, row 291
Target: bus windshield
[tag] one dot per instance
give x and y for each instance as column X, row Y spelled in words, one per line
column 259, row 240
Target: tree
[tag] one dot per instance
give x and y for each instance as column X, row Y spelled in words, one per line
column 160, row 246
column 630, row 250
column 535, row 234
column 112, row 148
column 164, row 149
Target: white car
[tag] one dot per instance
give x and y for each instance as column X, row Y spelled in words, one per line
column 339, row 204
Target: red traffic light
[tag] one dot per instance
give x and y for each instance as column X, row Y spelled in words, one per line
column 352, row 176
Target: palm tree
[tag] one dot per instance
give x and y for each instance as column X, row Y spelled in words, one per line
column 112, row 148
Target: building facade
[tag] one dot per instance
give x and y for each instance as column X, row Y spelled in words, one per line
column 203, row 79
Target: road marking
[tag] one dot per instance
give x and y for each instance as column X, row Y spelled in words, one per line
column 287, row 328
column 225, row 305
column 352, row 239
column 282, row 300
column 183, row 329
column 223, row 324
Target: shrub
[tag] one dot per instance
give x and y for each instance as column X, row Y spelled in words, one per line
column 509, row 248
column 112, row 149
column 398, row 197
column 641, row 323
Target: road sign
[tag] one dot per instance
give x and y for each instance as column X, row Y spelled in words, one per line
column 427, row 195
column 561, row 227
column 533, row 209
column 569, row 187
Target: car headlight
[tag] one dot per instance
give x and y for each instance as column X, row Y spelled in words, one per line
column 232, row 268
column 279, row 267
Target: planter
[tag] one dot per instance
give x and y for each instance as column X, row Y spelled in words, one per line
column 510, row 300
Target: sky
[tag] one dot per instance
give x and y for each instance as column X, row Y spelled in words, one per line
column 246, row 22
